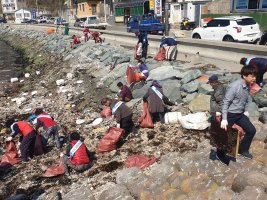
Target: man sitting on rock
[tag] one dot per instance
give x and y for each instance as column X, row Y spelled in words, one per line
column 260, row 64
column 77, row 155
column 27, row 139
column 156, row 100
column 75, row 41
column 122, row 114
column 216, row 101
column 50, row 127
column 235, row 105
column 125, row 93
column 170, row 44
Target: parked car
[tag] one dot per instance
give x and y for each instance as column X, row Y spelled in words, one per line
column 29, row 21
column 59, row 21
column 80, row 22
column 50, row 20
column 263, row 40
column 92, row 22
column 42, row 19
column 230, row 28
column 2, row 20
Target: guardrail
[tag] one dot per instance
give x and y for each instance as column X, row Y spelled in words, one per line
column 227, row 51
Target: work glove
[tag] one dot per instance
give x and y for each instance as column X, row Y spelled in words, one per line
column 246, row 113
column 175, row 103
column 224, row 124
column 9, row 139
column 118, row 125
column 218, row 114
column 61, row 154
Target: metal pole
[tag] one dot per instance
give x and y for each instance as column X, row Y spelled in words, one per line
column 105, row 11
column 166, row 19
column 36, row 2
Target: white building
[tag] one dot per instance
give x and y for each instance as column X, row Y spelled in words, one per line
column 10, row 6
column 186, row 9
column 22, row 14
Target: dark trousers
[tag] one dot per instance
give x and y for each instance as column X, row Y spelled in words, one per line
column 27, row 146
column 244, row 122
column 158, row 116
column 127, row 124
column 78, row 168
column 259, row 77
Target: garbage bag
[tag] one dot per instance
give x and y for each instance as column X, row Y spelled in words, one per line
column 11, row 155
column 109, row 141
column 139, row 161
column 106, row 112
column 146, row 120
column 54, row 170
column 254, row 88
column 196, row 121
column 161, row 55
column 130, row 75
column 138, row 51
column 38, row 148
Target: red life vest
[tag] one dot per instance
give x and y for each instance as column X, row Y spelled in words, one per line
column 24, row 128
column 85, row 30
column 80, row 157
column 46, row 120
column 76, row 40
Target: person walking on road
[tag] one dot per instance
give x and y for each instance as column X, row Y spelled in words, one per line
column 235, row 105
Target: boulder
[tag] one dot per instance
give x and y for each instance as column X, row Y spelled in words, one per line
column 261, row 133
column 200, row 104
column 222, row 193
column 190, row 87
column 251, row 192
column 171, row 89
column 80, row 193
column 161, row 73
column 252, row 178
column 253, row 111
column 190, row 76
column 116, row 192
column 190, row 97
column 263, row 117
column 260, row 98
column 205, row 89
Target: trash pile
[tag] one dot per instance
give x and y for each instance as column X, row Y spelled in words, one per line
column 165, row 162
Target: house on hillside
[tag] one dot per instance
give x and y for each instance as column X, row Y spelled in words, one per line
column 88, row 8
column 10, row 6
column 22, row 14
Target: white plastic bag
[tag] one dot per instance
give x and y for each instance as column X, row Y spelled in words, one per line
column 196, row 121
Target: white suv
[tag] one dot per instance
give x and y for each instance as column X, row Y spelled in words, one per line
column 231, row 28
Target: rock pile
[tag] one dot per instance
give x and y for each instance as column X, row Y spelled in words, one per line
column 69, row 84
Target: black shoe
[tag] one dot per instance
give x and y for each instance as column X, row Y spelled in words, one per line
column 223, row 159
column 246, row 155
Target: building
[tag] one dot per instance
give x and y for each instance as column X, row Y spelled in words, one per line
column 10, row 6
column 88, row 8
column 22, row 14
column 248, row 5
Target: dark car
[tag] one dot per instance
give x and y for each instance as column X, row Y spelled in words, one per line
column 29, row 21
column 2, row 20
column 263, row 40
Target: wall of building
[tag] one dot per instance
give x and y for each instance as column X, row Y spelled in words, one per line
column 217, row 7
column 10, row 6
column 87, row 8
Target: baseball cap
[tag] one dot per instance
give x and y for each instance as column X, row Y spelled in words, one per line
column 213, row 78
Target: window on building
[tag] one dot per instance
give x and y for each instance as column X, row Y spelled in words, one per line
column 83, row 7
column 6, row 1
column 27, row 14
column 12, row 1
column 18, row 15
column 93, row 9
column 249, row 4
column 80, row 7
column 253, row 4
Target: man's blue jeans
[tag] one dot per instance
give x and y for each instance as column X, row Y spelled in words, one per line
column 244, row 122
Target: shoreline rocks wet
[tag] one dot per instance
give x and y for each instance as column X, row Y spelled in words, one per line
column 70, row 85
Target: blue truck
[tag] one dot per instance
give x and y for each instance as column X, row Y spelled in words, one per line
column 147, row 23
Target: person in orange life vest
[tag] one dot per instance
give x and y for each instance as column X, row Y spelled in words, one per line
column 86, row 34
column 27, row 138
column 75, row 41
column 77, row 155
column 143, row 74
column 50, row 126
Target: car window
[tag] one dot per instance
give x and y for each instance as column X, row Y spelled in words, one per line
column 83, row 19
column 92, row 18
column 246, row 21
column 223, row 23
column 77, row 20
column 212, row 23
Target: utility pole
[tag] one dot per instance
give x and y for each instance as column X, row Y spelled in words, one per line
column 36, row 2
column 167, row 18
column 105, row 13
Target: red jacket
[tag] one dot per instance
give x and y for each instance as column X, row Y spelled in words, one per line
column 76, row 40
column 80, row 157
column 86, row 31
column 24, row 128
column 45, row 120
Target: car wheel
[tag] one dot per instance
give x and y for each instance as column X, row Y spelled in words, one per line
column 196, row 36
column 265, row 43
column 228, row 38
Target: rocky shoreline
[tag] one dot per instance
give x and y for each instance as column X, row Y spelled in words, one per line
column 183, row 169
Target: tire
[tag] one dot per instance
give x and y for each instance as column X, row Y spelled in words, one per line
column 196, row 36
column 228, row 38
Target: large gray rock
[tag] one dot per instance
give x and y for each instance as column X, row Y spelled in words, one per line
column 263, row 117
column 139, row 93
column 171, row 89
column 261, row 133
column 222, row 193
column 205, row 89
column 251, row 192
column 190, row 76
column 81, row 193
column 200, row 103
column 190, row 87
column 190, row 97
column 161, row 73
column 252, row 178
column 254, row 114
column 116, row 192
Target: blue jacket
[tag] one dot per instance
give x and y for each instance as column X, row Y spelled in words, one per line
column 168, row 41
column 261, row 64
column 142, row 38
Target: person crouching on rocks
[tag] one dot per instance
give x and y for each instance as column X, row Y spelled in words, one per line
column 27, row 140
column 156, row 100
column 75, row 41
column 143, row 74
column 77, row 155
column 125, row 93
column 49, row 125
column 122, row 114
